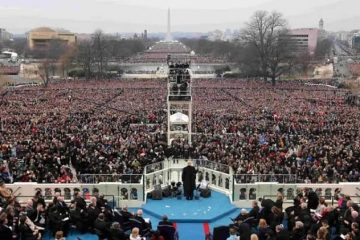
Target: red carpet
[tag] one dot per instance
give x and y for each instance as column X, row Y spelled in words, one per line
column 206, row 228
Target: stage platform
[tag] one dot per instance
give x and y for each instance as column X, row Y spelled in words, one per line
column 191, row 211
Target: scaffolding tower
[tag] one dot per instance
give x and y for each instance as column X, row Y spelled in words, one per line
column 179, row 102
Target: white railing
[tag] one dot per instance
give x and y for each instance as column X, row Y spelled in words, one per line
column 244, row 193
column 131, row 190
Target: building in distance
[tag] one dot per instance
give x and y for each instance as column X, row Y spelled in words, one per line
column 304, row 39
column 5, row 35
column 40, row 38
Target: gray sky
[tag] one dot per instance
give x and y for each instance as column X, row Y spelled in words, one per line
column 83, row 16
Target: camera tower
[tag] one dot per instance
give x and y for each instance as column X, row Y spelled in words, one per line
column 179, row 102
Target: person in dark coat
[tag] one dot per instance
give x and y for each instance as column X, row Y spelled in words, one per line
column 79, row 218
column 116, row 233
column 281, row 233
column 145, row 227
column 244, row 230
column 264, row 232
column 165, row 221
column 242, row 216
column 188, row 178
column 313, row 200
column 298, row 232
column 102, row 227
column 5, row 231
column 93, row 211
column 266, row 212
column 277, row 217
column 166, row 229
column 305, row 216
column 37, row 216
column 279, row 201
column 80, row 201
column 25, row 231
column 38, row 198
column 254, row 212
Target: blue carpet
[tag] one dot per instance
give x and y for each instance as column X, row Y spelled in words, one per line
column 199, row 211
column 191, row 231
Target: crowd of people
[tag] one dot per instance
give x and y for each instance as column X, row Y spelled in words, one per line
column 292, row 128
column 93, row 127
column 310, row 218
column 40, row 219
column 160, row 51
column 118, row 127
column 108, row 127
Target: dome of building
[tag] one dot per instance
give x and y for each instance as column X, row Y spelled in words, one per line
column 43, row 29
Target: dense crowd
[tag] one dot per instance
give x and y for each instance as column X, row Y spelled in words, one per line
column 55, row 219
column 310, row 218
column 45, row 132
column 294, row 128
column 161, row 57
column 178, row 52
column 107, row 127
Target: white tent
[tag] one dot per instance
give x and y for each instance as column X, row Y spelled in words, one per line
column 179, row 118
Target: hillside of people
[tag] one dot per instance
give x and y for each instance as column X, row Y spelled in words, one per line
column 107, row 127
column 54, row 134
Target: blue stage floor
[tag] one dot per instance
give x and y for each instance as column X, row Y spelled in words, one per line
column 194, row 211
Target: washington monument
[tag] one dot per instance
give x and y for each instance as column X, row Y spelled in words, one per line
column 168, row 33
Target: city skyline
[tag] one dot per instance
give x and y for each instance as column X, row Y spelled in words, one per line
column 19, row 16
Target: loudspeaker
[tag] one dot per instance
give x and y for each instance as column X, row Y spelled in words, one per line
column 156, row 194
column 205, row 193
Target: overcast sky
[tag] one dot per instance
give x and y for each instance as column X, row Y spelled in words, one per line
column 84, row 16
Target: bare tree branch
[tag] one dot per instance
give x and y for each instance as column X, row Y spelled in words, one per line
column 265, row 32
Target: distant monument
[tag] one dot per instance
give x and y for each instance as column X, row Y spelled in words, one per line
column 321, row 24
column 168, row 33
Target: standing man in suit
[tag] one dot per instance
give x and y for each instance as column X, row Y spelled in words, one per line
column 188, row 178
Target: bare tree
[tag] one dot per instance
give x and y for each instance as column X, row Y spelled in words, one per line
column 3, row 81
column 85, row 57
column 265, row 31
column 281, row 58
column 303, row 61
column 323, row 48
column 44, row 71
column 66, row 59
column 100, row 45
column 49, row 56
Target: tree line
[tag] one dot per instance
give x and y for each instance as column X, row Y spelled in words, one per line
column 262, row 49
